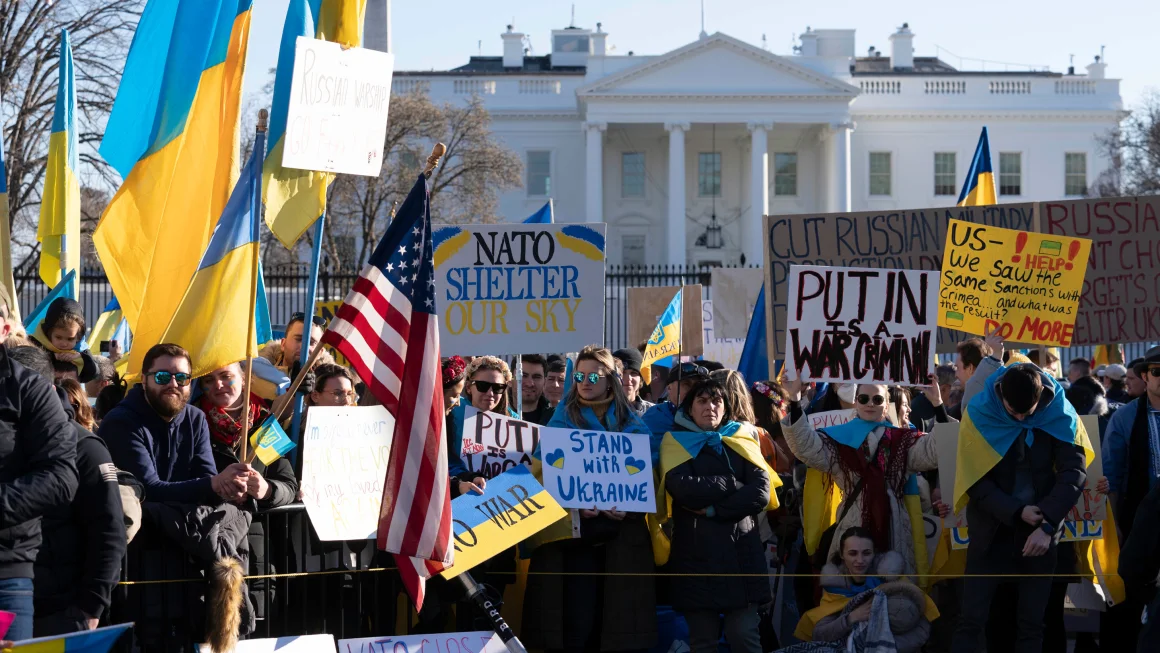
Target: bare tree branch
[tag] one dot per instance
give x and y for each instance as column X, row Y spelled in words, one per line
column 1133, row 151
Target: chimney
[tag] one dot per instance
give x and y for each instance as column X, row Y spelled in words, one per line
column 598, row 42
column 513, row 48
column 809, row 43
column 902, row 48
column 1095, row 69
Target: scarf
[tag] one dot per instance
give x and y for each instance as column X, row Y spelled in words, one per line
column 222, row 427
column 869, row 583
column 1057, row 418
column 598, row 406
column 853, row 433
column 41, row 337
column 880, row 473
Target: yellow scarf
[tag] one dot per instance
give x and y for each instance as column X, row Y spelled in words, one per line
column 835, row 603
column 41, row 337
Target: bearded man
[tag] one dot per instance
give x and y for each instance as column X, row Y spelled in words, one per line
column 156, row 436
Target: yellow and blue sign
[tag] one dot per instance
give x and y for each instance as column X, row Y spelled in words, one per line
column 514, row 508
column 270, row 442
column 519, row 288
column 100, row 640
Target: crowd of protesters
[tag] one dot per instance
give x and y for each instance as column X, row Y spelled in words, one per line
column 86, row 462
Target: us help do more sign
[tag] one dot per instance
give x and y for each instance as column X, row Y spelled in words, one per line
column 337, row 115
column 519, row 289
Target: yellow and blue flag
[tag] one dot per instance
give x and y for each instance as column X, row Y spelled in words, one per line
column 214, row 318
column 107, row 324
column 979, row 187
column 1108, row 355
column 679, row 447
column 294, row 198
column 6, row 277
column 270, row 442
column 666, row 337
column 59, row 232
column 100, row 640
column 543, row 216
column 173, row 137
column 66, row 287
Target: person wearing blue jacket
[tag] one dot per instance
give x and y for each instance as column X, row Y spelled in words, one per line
column 488, row 380
column 570, row 605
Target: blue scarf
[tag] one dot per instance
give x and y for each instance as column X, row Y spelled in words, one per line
column 856, row 588
column 992, row 420
column 853, row 433
column 694, row 439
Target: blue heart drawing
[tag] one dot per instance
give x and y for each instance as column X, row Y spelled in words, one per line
column 633, row 465
column 556, row 459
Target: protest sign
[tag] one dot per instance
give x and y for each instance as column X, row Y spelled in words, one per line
column 726, row 351
column 513, row 508
column 474, row 642
column 1120, row 301
column 493, row 443
column 519, row 288
column 1025, row 284
column 336, row 120
column 734, row 296
column 646, row 305
column 344, row 461
column 295, row 644
column 598, row 470
column 903, row 239
column 861, row 325
column 830, row 418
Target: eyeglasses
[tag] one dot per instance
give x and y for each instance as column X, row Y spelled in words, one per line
column 593, row 377
column 488, row 386
column 163, row 378
column 1154, row 371
column 877, row 399
column 301, row 317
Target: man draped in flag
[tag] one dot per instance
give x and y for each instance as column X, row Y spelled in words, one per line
column 979, row 187
column 59, row 231
column 387, row 329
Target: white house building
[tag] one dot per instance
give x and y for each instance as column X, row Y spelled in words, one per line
column 682, row 153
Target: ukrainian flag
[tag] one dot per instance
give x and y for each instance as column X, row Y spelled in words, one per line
column 666, row 338
column 213, row 322
column 173, row 136
column 107, row 324
column 979, row 188
column 100, row 640
column 543, row 216
column 295, row 198
column 60, row 205
column 1108, row 355
column 6, row 242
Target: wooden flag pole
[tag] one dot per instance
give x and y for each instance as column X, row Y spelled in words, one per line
column 278, row 408
column 256, row 211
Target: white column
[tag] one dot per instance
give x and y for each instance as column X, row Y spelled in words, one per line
column 594, row 171
column 839, row 140
column 678, row 255
column 752, row 238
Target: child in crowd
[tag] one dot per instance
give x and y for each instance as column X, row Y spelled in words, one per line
column 61, row 333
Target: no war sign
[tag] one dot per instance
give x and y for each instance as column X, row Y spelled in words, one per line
column 594, row 469
column 519, row 289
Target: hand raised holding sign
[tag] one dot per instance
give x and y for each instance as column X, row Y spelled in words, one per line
column 932, row 391
column 793, row 389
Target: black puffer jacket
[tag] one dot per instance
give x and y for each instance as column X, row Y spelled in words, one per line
column 726, row 543
column 38, row 451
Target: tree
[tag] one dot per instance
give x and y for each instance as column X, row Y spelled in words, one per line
column 1133, row 150
column 100, row 31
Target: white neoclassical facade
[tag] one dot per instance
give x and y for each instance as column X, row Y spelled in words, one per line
column 682, row 153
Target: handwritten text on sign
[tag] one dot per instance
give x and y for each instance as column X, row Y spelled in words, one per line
column 1026, row 284
column 336, row 120
column 594, row 469
column 828, row 418
column 493, row 443
column 513, row 508
column 344, row 461
column 861, row 325
column 519, row 289
column 476, row 642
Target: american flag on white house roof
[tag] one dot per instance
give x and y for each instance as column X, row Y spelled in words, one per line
column 387, row 329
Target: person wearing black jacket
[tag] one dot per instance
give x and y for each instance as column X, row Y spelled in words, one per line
column 79, row 562
column 37, row 473
column 1140, row 566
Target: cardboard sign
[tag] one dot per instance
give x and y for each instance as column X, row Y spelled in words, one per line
column 1024, row 283
column 734, row 296
column 599, row 470
column 513, row 508
column 344, row 462
column 910, row 239
column 726, row 351
column 1120, row 301
column 296, row 644
column 831, row 418
column 475, row 642
column 519, row 288
column 861, row 325
column 336, row 120
column 646, row 305
column 493, row 443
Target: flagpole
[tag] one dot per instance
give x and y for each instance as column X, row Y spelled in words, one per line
column 304, row 354
column 256, row 212
column 520, row 385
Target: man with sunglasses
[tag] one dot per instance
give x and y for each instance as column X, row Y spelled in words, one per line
column 659, row 418
column 156, row 436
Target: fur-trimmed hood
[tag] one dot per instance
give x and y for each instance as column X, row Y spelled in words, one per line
column 888, row 566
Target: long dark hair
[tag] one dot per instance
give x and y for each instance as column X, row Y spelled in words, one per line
column 853, row 531
column 714, row 389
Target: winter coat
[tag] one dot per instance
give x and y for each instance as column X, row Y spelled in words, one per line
column 1140, row 565
column 38, row 450
column 542, row 413
column 173, row 460
column 808, row 446
column 79, row 562
column 734, row 491
column 907, row 605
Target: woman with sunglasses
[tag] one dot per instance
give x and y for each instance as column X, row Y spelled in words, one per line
column 569, row 605
column 871, row 459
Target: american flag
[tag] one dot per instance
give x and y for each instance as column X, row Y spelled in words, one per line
column 388, row 331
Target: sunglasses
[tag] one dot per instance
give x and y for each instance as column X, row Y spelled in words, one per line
column 692, row 369
column 488, row 386
column 1154, row 371
column 878, row 400
column 593, row 377
column 301, row 317
column 163, row 378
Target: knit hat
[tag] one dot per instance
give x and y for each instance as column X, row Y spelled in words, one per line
column 630, row 357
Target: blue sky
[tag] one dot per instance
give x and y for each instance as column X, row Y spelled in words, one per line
column 443, row 34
